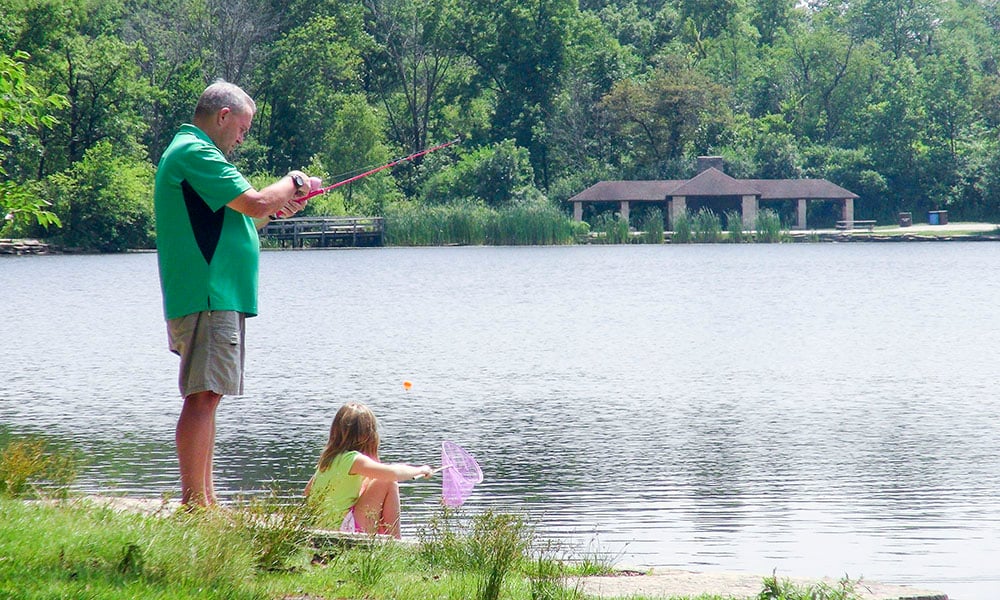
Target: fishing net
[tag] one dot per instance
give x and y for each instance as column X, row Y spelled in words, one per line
column 460, row 473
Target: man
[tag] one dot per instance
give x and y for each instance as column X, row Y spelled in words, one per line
column 207, row 215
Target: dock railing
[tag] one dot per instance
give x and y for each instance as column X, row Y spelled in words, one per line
column 300, row 232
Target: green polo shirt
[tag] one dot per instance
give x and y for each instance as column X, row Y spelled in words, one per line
column 207, row 252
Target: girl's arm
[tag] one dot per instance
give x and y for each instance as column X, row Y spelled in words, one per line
column 367, row 467
column 309, row 486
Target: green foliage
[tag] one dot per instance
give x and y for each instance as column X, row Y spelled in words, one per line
column 470, row 223
column 612, row 229
column 734, row 227
column 498, row 545
column 652, row 227
column 105, row 202
column 496, row 175
column 768, row 227
column 682, row 229
column 706, row 226
column 28, row 467
column 898, row 106
column 23, row 107
column 783, row 589
column 82, row 548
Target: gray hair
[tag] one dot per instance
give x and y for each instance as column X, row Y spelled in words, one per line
column 222, row 94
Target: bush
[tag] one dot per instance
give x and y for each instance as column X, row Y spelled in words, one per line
column 105, row 202
column 496, row 176
column 734, row 227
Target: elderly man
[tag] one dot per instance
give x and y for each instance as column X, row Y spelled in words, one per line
column 207, row 215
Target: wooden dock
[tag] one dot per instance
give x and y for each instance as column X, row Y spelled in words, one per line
column 325, row 232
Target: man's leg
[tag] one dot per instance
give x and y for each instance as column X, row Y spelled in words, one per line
column 195, row 439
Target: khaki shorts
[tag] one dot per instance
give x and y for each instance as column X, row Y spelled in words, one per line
column 212, row 351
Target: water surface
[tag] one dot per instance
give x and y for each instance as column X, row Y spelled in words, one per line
column 809, row 409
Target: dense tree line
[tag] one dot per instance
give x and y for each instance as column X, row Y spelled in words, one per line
column 896, row 100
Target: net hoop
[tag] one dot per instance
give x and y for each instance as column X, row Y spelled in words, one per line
column 460, row 474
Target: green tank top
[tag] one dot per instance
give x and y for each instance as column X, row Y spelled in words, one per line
column 334, row 490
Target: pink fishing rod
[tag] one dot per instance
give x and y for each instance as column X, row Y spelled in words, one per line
column 376, row 170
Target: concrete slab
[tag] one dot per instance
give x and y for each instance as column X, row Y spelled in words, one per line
column 670, row 583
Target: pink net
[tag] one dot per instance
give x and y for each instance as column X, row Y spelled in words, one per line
column 460, row 473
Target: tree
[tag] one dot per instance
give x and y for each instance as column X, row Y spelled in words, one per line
column 327, row 51
column 105, row 201
column 23, row 107
column 666, row 115
column 495, row 176
column 414, row 59
column 519, row 47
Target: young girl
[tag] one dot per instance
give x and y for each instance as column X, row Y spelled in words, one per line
column 351, row 489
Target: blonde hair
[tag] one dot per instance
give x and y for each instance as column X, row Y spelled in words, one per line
column 354, row 428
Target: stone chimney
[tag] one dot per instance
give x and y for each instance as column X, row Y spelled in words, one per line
column 705, row 162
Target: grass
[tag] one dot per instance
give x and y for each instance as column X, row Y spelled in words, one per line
column 75, row 548
column 53, row 545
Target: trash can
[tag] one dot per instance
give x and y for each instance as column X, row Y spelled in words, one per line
column 937, row 217
column 905, row 219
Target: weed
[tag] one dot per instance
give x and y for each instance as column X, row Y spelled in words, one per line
column 27, row 466
column 499, row 543
column 783, row 589
column 276, row 527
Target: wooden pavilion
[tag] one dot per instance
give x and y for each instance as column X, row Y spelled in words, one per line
column 713, row 187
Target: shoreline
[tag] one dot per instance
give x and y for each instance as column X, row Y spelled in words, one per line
column 655, row 582
column 952, row 232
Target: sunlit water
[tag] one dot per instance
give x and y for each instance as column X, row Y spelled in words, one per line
column 809, row 409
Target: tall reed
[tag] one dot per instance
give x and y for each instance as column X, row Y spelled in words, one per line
column 734, row 227
column 29, row 468
column 410, row 224
column 706, row 226
column 768, row 227
column 682, row 233
column 612, row 229
column 652, row 227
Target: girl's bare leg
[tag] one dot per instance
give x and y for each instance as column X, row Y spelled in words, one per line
column 377, row 510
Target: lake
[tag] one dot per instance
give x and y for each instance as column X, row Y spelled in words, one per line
column 804, row 409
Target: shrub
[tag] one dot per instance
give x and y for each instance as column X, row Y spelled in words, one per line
column 105, row 202
column 494, row 175
column 499, row 543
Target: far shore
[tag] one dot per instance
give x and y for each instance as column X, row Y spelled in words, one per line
column 918, row 232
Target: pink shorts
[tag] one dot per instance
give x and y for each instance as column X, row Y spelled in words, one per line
column 349, row 525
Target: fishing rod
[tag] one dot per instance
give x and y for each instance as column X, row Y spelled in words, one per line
column 376, row 170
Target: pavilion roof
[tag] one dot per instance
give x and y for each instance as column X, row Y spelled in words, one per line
column 712, row 182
